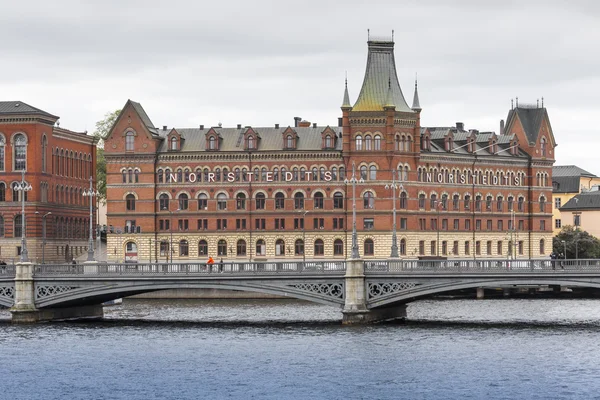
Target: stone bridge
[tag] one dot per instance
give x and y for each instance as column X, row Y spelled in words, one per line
column 365, row 291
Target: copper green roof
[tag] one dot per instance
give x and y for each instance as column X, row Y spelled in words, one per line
column 381, row 69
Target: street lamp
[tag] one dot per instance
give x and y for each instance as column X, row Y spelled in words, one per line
column 565, row 247
column 91, row 193
column 393, row 186
column 23, row 187
column 304, row 237
column 170, row 231
column 353, row 180
column 437, row 205
column 44, row 234
column 577, row 222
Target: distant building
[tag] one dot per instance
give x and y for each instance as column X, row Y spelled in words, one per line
column 247, row 193
column 567, row 182
column 58, row 164
column 583, row 211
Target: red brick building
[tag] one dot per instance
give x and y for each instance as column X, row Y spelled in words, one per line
column 286, row 192
column 58, row 164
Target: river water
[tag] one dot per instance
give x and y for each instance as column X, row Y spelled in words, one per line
column 279, row 349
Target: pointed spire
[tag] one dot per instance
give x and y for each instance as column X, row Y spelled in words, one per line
column 416, row 106
column 346, row 103
column 389, row 101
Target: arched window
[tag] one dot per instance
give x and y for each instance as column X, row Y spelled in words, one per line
column 318, row 200
column 129, row 141
column 168, row 177
column 261, row 201
column 183, row 201
column 372, row 172
column 499, row 204
column 403, row 200
column 338, row 247
column 240, row 248
column 377, row 142
column 212, row 143
column 20, row 152
column 44, row 151
column 368, row 199
column 279, row 247
column 202, row 202
column 327, row 142
column 2, row 191
column 299, row 201
column 159, row 176
column 542, row 204
column 403, row 247
column 319, row 247
column 298, row 247
column 542, row 247
column 163, row 201
column 250, row 146
column 488, row 203
column 222, row 247
column 543, row 149
column 131, row 251
column 130, row 175
column 338, row 200
column 363, row 172
column 433, row 201
column 368, row 146
column 130, row 202
column 510, row 203
column 261, row 248
column 2, row 153
column 422, row 200
column 240, row 201
column 289, row 142
column 358, row 143
column 202, row 248
column 455, row 202
column 17, row 229
column 221, row 201
column 369, row 247
column 478, row 203
column 521, row 204
column 279, row 200
column 444, row 201
column 173, row 143
column 184, row 249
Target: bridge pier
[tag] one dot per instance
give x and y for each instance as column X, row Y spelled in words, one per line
column 25, row 311
column 355, row 311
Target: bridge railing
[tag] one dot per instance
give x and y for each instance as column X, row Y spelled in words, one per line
column 483, row 265
column 231, row 268
column 7, row 271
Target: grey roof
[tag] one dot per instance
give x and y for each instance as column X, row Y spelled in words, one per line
column 271, row 139
column 381, row 69
column 531, row 119
column 416, row 105
column 570, row 170
column 565, row 184
column 18, row 107
column 346, row 102
column 583, row 201
column 145, row 119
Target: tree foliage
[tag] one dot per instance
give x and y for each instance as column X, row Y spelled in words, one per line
column 102, row 128
column 578, row 243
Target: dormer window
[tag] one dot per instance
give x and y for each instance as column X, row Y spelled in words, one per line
column 173, row 143
column 471, row 146
column 250, row 142
column 328, row 142
column 212, row 143
column 289, row 142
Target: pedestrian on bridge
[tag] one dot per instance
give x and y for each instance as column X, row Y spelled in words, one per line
column 210, row 263
column 221, row 266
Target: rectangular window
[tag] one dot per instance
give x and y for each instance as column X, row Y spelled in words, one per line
column 130, row 226
column 489, row 225
column 521, row 247
column 202, row 224
column 318, row 223
column 444, row 224
column 478, row 247
column 444, row 247
column 489, row 248
column 433, row 248
column 542, row 225
column 455, row 248
column 577, row 220
column 182, row 224
column 368, row 223
column 279, row 223
column 557, row 202
column 422, row 224
column 338, row 223
column 477, row 224
column 500, row 225
column 557, row 223
column 456, row 224
column 467, row 224
column 221, row 224
column 434, row 224
column 499, row 248
column 521, row 225
column 240, row 223
column 403, row 224
column 467, row 248
column 298, row 223
column 421, row 247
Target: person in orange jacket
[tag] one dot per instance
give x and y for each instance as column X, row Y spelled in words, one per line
column 209, row 263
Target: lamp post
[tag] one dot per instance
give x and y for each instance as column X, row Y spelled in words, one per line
column 91, row 193
column 170, row 232
column 304, row 238
column 437, row 205
column 565, row 247
column 393, row 186
column 23, row 187
column 44, row 234
column 353, row 180
column 577, row 222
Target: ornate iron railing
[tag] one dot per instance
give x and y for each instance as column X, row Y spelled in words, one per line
column 7, row 271
column 491, row 266
column 231, row 268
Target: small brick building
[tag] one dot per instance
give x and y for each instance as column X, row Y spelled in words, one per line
column 58, row 164
column 286, row 192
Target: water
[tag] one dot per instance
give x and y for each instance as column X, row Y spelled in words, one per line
column 267, row 349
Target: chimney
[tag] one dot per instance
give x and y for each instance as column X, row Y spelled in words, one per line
column 460, row 126
column 201, row 127
column 304, row 124
column 276, row 126
column 164, row 127
column 502, row 127
column 297, row 121
column 314, row 124
column 340, row 121
column 239, row 126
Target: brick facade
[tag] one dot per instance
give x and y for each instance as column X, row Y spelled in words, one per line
column 179, row 185
column 58, row 164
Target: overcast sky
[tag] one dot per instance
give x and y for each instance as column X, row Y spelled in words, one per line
column 263, row 62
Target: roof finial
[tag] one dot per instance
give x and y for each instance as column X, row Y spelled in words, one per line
column 537, row 103
column 542, row 101
column 416, row 106
column 368, row 34
column 517, row 102
column 392, row 35
column 512, row 104
column 346, row 103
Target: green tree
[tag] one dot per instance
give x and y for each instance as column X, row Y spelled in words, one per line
column 102, row 128
column 578, row 243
